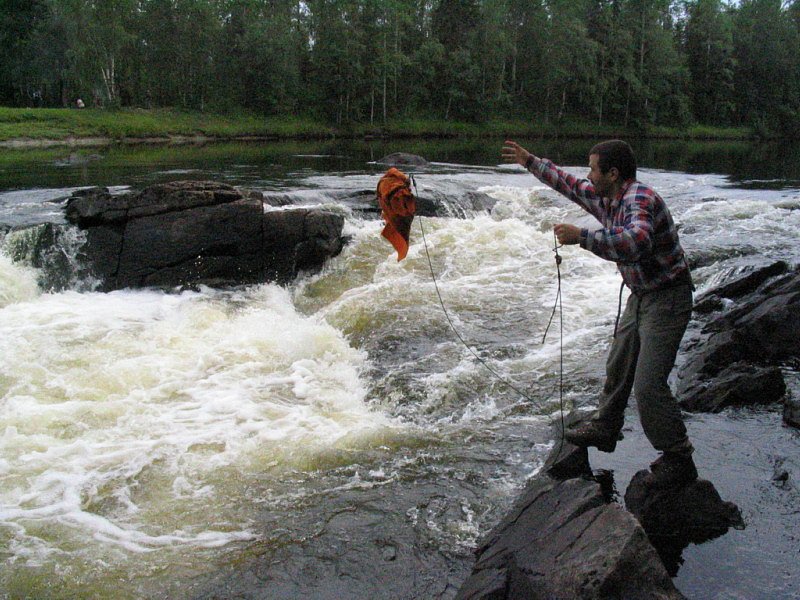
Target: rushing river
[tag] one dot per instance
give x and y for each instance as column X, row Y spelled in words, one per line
column 333, row 438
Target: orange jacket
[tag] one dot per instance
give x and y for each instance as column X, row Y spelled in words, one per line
column 397, row 209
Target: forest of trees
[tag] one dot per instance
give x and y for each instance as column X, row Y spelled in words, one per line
column 624, row 62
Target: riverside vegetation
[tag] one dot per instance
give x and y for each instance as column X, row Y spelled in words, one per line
column 27, row 126
column 430, row 67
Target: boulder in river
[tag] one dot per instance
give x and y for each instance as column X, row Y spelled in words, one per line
column 740, row 286
column 791, row 411
column 199, row 232
column 739, row 384
column 734, row 358
column 677, row 517
column 402, row 159
column 566, row 538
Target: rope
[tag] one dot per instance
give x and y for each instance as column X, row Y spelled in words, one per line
column 455, row 331
column 619, row 308
column 558, row 305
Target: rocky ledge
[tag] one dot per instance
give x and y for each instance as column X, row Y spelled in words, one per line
column 199, row 232
column 746, row 333
column 567, row 538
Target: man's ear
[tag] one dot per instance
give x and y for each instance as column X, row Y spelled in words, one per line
column 613, row 173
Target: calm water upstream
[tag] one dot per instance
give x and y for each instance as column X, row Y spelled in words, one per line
column 332, row 439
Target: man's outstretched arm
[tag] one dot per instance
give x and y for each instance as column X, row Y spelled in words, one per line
column 580, row 191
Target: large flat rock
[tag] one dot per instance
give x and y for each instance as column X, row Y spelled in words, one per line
column 564, row 539
column 199, row 232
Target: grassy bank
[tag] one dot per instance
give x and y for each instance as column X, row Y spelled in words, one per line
column 69, row 125
column 133, row 124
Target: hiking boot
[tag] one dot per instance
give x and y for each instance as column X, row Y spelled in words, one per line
column 593, row 433
column 672, row 470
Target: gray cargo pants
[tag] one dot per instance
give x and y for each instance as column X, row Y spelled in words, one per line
column 641, row 358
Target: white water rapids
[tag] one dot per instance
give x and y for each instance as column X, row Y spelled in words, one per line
column 141, row 432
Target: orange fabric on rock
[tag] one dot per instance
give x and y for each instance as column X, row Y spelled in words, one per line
column 397, row 209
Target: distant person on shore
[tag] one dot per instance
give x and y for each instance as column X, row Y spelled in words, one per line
column 639, row 235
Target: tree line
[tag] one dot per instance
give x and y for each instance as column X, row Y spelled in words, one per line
column 624, row 62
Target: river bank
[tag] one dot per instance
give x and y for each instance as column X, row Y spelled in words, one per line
column 41, row 128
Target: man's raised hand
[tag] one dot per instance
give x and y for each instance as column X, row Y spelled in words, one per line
column 514, row 153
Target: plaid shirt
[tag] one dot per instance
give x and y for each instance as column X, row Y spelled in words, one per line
column 638, row 231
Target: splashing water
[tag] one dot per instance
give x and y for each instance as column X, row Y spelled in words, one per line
column 17, row 282
column 133, row 418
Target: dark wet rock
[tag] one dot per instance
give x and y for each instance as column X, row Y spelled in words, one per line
column 739, row 384
column 750, row 282
column 733, row 358
column 102, row 251
column 85, row 206
column 698, row 257
column 567, row 460
column 708, row 303
column 464, row 205
column 791, row 411
column 480, row 201
column 565, row 538
column 780, row 475
column 746, row 284
column 677, row 517
column 402, row 159
column 772, row 329
column 768, row 328
column 198, row 232
column 696, row 510
column 708, row 355
column 97, row 206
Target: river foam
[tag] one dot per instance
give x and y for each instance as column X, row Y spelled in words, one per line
column 497, row 279
column 17, row 282
column 125, row 417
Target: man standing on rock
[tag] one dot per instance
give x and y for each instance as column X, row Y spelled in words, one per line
column 638, row 234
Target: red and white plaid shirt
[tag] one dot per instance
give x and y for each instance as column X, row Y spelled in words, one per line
column 638, row 231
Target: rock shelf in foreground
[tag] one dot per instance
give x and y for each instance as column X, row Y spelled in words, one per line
column 566, row 538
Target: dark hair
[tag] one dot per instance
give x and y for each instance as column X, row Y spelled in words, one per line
column 616, row 153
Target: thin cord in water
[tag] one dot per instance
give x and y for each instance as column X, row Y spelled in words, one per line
column 453, row 327
column 558, row 304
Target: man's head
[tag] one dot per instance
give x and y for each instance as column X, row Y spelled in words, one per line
column 611, row 163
